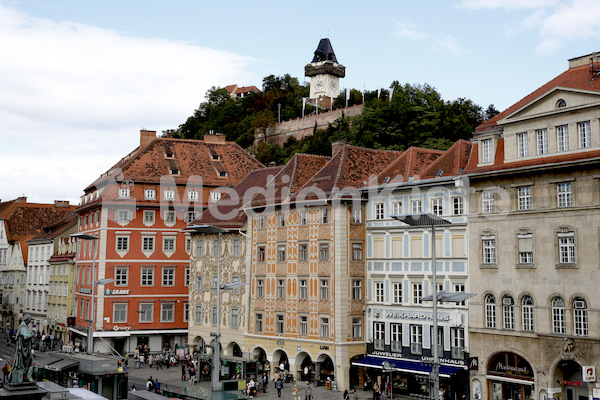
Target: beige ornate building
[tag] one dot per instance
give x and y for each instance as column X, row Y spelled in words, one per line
column 534, row 228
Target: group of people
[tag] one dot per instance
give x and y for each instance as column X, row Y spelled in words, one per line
column 153, row 385
column 189, row 370
column 143, row 357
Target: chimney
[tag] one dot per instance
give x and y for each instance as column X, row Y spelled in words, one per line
column 213, row 137
column 61, row 203
column 146, row 137
column 337, row 146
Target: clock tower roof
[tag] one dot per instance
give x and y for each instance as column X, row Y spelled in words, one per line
column 324, row 52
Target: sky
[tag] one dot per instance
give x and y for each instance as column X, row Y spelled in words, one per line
column 80, row 79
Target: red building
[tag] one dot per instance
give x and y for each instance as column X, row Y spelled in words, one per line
column 138, row 210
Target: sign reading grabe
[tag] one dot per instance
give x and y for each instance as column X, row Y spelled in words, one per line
column 116, row 292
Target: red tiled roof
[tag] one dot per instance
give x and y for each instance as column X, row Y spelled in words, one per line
column 573, row 78
column 452, row 162
column 409, row 164
column 351, row 167
column 228, row 204
column 189, row 157
column 499, row 163
column 59, row 227
column 62, row 257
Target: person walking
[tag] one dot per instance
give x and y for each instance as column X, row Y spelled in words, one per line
column 295, row 393
column 183, row 372
column 308, row 392
column 5, row 373
column 142, row 358
column 192, row 376
column 279, row 386
column 265, row 382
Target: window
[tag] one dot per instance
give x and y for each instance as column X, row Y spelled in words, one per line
column 356, row 215
column 190, row 217
column 458, row 207
column 562, row 137
column 235, row 317
column 147, row 276
column 214, row 317
column 564, row 192
column 167, row 312
column 258, row 318
column 124, row 193
column 188, row 244
column 215, row 282
column 566, row 248
column 303, row 217
column 121, row 275
column 193, row 195
column 490, row 311
column 525, row 248
column 357, row 251
column 522, row 144
column 198, row 282
column 169, row 194
column 281, row 288
column 527, row 313
column 199, row 248
column 459, row 288
column 282, row 219
column 379, row 335
column 416, row 206
column 119, row 313
column 303, row 289
column 396, row 337
column 580, row 317
column 378, row 210
column 542, row 141
column 260, row 254
column 260, row 288
column 261, row 222
column 489, row 250
column 396, row 207
column 357, row 328
column 437, row 206
column 122, row 243
column 216, row 246
column 379, row 293
column 280, row 324
column 168, row 244
column 524, row 198
column 146, row 312
column 124, row 216
column 457, row 336
column 324, row 216
column 169, row 217
column 324, row 328
column 487, row 201
column 486, row 151
column 168, row 276
column 303, row 252
column 357, row 289
column 187, row 276
column 148, row 217
column 148, row 243
column 198, row 314
column 150, row 194
column 561, row 103
column 281, row 252
column 324, row 289
column 215, row 196
column 416, row 339
column 303, row 325
column 585, row 134
column 236, row 250
column 397, row 287
column 417, row 293
column 186, row 311
column 323, row 251
column 508, row 312
column 558, row 315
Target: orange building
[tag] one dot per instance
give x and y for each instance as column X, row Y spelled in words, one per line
column 138, row 210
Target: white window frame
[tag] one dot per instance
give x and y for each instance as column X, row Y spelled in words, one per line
column 147, row 276
column 564, row 194
column 558, row 316
column 417, row 292
column 169, row 244
column 119, row 313
column 193, row 195
column 149, row 217
column 324, row 289
column 523, row 144
column 488, row 245
column 437, row 206
column 488, row 202
column 121, row 276
column 585, row 134
column 357, row 289
column 168, row 277
column 458, row 205
column 580, row 317
column 542, row 141
column 527, row 314
column 124, row 193
column 524, row 198
column 490, row 311
column 169, row 194
column 150, row 194
column 562, row 138
column 416, row 206
column 379, row 211
column 397, row 292
column 508, row 313
column 379, row 292
column 566, row 248
column 146, row 312
column 167, row 312
column 486, row 151
column 303, row 289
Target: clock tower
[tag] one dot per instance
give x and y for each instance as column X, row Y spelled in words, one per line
column 325, row 73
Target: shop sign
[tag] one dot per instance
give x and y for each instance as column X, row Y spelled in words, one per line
column 510, row 364
column 568, row 383
column 116, row 292
column 324, row 347
column 121, row 328
column 443, row 360
column 473, row 363
column 85, row 290
column 416, row 315
column 589, row 373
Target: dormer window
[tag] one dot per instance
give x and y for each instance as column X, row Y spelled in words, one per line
column 486, row 151
column 149, row 194
column 214, row 196
column 124, row 193
column 215, row 157
column 561, row 103
column 169, row 154
column 193, row 195
column 174, row 171
column 169, row 194
column 222, row 174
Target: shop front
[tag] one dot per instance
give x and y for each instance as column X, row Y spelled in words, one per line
column 510, row 376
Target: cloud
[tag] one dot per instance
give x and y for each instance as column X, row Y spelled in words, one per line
column 506, row 4
column 408, row 30
column 440, row 44
column 447, row 44
column 74, row 94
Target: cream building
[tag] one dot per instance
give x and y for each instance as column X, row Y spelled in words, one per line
column 534, row 228
column 62, row 287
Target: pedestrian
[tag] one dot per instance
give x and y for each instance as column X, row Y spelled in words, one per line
column 165, row 390
column 295, row 393
column 265, row 382
column 150, row 384
column 279, row 386
column 142, row 361
column 308, row 392
column 133, row 388
column 306, row 373
column 192, row 376
column 60, row 345
column 157, row 386
column 346, row 395
column 5, row 373
column 158, row 362
column 353, row 395
column 183, row 372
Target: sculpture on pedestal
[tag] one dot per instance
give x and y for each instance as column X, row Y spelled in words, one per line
column 22, row 369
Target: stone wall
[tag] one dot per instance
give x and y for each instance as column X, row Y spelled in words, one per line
column 302, row 127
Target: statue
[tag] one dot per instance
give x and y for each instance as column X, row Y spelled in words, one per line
column 22, row 369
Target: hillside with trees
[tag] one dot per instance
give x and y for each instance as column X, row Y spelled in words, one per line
column 416, row 115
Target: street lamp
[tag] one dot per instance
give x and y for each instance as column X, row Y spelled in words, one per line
column 94, row 239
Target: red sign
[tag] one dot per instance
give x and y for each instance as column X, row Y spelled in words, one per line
column 569, row 383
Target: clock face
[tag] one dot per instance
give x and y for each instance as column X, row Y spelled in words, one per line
column 319, row 83
column 333, row 84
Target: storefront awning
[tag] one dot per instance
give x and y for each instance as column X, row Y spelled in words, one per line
column 62, row 365
column 406, row 366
